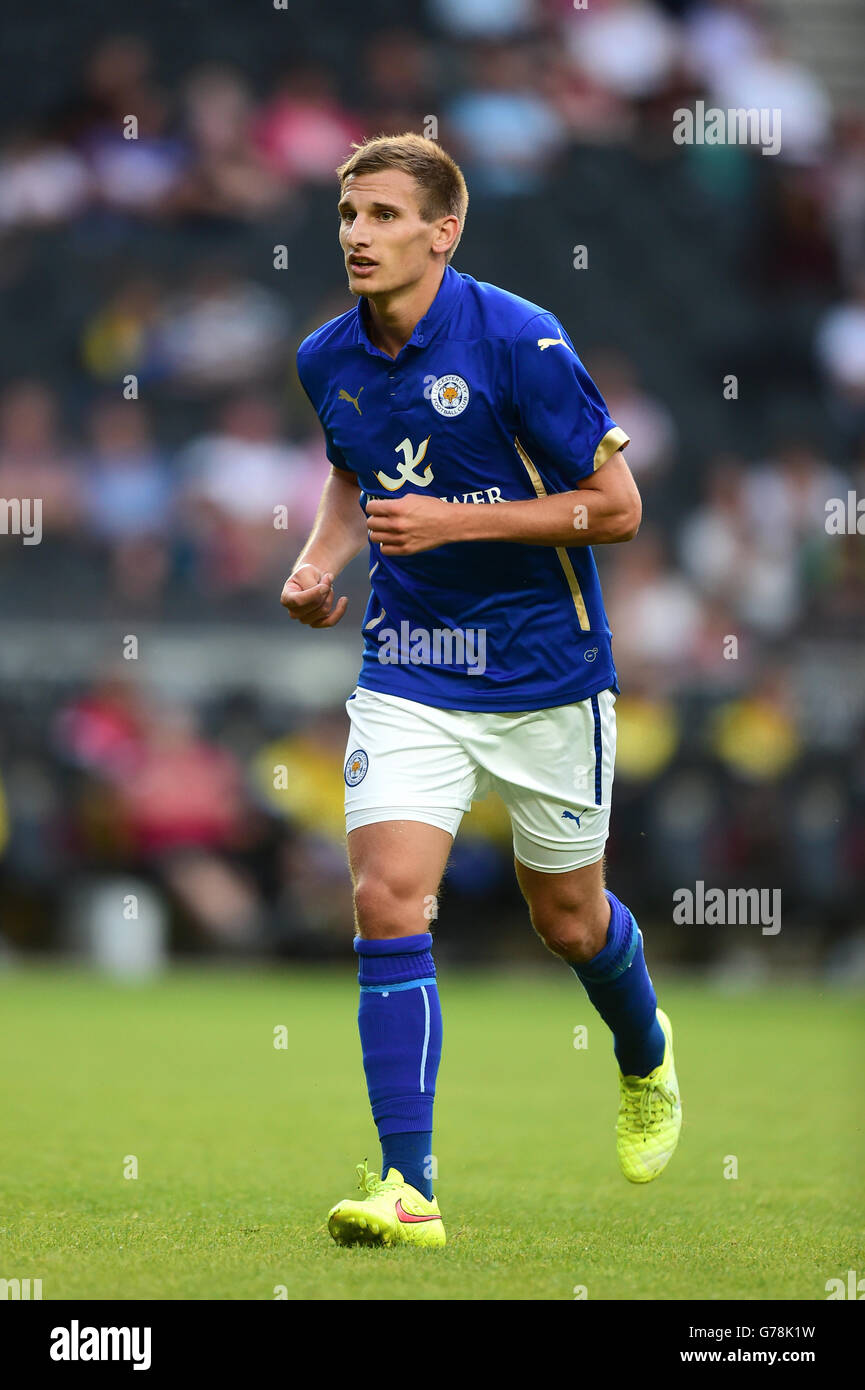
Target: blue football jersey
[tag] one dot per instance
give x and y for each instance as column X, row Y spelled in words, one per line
column 487, row 402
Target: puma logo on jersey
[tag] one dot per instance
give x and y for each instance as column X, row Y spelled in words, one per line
column 344, row 396
column 407, row 469
column 550, row 342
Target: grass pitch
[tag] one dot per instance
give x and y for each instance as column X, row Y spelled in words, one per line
column 242, row 1147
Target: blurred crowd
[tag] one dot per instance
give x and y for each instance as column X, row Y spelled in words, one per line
column 230, row 809
column 150, row 519
column 179, row 464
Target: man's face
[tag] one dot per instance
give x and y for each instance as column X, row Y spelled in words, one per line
column 384, row 239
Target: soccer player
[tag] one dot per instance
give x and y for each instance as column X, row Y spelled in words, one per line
column 474, row 455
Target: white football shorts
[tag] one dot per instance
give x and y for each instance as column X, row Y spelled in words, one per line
column 553, row 769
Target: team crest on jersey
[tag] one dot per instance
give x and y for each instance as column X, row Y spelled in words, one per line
column 355, row 768
column 449, row 395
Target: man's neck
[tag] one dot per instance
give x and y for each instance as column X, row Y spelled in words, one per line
column 393, row 318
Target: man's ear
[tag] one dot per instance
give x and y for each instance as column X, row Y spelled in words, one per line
column 448, row 233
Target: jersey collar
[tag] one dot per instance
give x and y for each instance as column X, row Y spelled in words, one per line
column 425, row 329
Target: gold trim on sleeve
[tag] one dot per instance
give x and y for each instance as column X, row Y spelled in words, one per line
column 614, row 440
column 564, row 557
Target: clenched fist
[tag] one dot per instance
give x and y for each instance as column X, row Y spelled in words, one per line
column 308, row 596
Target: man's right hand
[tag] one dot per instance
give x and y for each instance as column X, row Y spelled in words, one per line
column 308, row 596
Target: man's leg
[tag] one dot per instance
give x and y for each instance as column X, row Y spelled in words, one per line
column 396, row 868
column 409, row 781
column 598, row 937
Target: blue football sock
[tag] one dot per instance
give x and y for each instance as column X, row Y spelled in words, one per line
column 411, row 1153
column 400, row 1026
column 618, row 984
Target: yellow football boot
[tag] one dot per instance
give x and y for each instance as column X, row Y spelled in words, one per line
column 390, row 1212
column 650, row 1116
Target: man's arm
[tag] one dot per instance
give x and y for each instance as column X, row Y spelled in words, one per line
column 604, row 508
column 338, row 534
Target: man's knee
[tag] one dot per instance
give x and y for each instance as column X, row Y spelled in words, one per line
column 390, row 905
column 396, row 868
column 572, row 926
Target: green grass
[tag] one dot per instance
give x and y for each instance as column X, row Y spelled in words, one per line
column 242, row 1148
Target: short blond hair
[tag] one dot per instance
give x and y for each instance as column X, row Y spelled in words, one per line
column 443, row 191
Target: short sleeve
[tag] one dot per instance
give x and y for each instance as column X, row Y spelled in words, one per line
column 334, row 454
column 560, row 410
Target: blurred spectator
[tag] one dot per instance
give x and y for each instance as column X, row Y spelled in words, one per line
column 40, row 181
column 720, row 37
column 304, row 132
column 756, row 736
column 817, row 820
column 771, row 79
column 182, row 792
column 482, row 19
column 164, row 802
column 240, row 483
column 225, row 331
column 794, row 250
column 34, row 462
column 715, row 539
column 628, row 45
column 117, row 81
column 101, row 731
column 643, row 417
column 648, row 733
column 399, row 80
column 840, row 351
column 503, row 129
column 120, row 337
column 228, row 177
column 136, row 176
column 786, row 497
column 725, row 653
column 734, row 548
column 135, row 162
column 299, row 778
column 128, row 497
column 181, row 814
column 687, row 829
column 758, row 540
column 838, row 607
column 127, row 485
column 32, row 820
column 845, row 195
column 653, row 612
column 591, row 111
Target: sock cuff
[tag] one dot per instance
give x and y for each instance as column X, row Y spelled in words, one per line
column 398, row 960
column 623, row 938
column 394, row 945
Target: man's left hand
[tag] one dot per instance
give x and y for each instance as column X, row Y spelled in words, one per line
column 407, row 525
